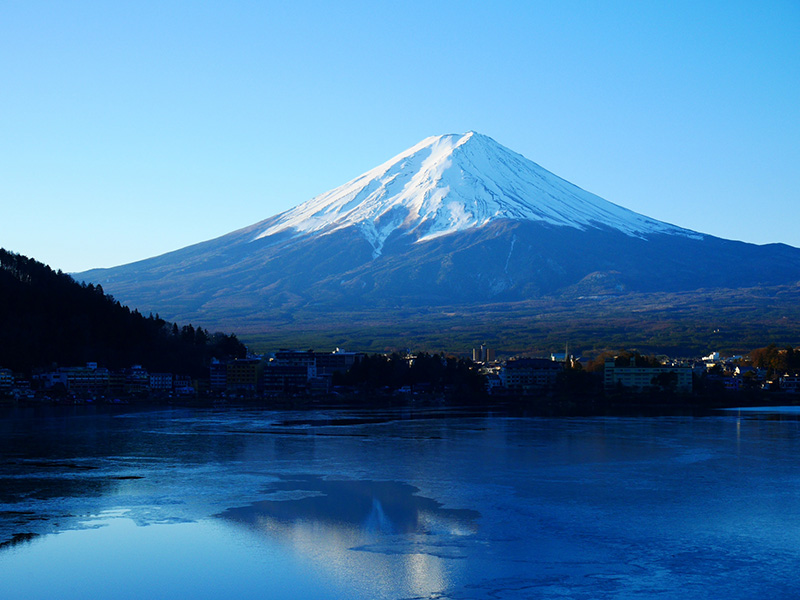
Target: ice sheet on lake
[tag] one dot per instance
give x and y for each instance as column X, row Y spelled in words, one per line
column 414, row 505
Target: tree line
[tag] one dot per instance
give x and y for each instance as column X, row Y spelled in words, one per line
column 424, row 372
column 776, row 360
column 47, row 318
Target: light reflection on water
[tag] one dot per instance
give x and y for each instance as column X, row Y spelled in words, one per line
column 380, row 530
column 115, row 558
column 327, row 504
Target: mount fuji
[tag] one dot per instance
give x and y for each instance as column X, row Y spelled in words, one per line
column 457, row 221
column 452, row 183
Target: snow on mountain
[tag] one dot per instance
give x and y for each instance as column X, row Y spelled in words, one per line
column 451, row 183
column 499, row 232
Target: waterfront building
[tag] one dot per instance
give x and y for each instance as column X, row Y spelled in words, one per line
column 218, row 375
column 297, row 358
column 6, row 380
column 137, row 380
column 530, row 375
column 644, row 378
column 243, row 375
column 161, row 382
column 285, row 379
column 338, row 361
column 790, row 383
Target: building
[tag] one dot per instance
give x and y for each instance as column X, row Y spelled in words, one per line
column 338, row 361
column 51, row 379
column 218, row 375
column 530, row 375
column 183, row 385
column 117, row 383
column 243, row 375
column 319, row 369
column 137, row 380
column 285, row 379
column 183, row 381
column 288, row 371
column 83, row 380
column 645, row 378
column 160, row 382
column 6, row 380
column 790, row 383
column 732, row 384
column 297, row 358
column 493, row 382
column 76, row 379
column 482, row 354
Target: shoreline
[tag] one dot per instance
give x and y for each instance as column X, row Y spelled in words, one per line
column 540, row 406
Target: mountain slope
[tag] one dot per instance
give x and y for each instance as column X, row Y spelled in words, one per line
column 456, row 220
column 451, row 183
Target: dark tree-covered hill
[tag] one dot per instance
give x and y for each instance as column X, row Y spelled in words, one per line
column 47, row 317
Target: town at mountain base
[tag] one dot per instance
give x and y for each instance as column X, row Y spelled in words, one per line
column 563, row 384
column 49, row 324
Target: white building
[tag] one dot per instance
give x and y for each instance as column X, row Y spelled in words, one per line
column 6, row 379
column 161, row 382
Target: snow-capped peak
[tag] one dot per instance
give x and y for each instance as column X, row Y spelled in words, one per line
column 454, row 182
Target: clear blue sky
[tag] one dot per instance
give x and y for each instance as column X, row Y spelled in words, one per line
column 128, row 129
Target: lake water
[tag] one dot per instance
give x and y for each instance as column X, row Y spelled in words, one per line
column 234, row 503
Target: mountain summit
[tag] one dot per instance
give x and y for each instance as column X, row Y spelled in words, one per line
column 450, row 183
column 456, row 220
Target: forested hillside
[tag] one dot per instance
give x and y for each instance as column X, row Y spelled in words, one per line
column 46, row 317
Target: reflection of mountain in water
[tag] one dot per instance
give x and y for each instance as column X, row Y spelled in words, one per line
column 378, row 521
column 366, row 531
column 369, row 507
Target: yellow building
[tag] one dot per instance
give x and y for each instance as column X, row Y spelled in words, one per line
column 243, row 375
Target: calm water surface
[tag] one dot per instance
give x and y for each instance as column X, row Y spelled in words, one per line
column 244, row 504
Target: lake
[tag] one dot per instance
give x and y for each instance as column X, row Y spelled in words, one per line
column 396, row 504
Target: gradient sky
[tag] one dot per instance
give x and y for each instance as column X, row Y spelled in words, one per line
column 129, row 129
